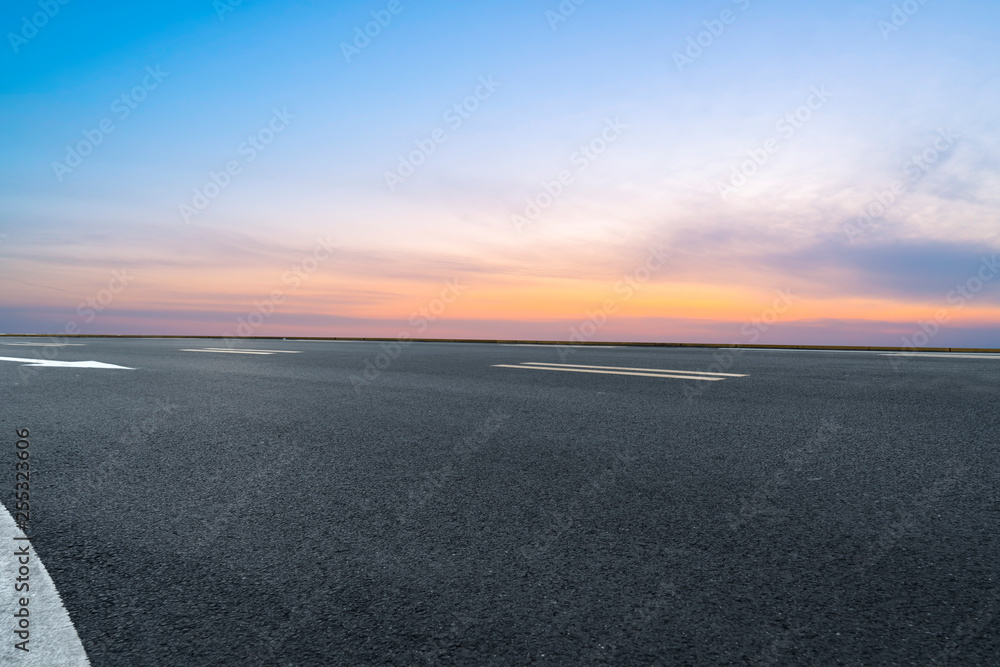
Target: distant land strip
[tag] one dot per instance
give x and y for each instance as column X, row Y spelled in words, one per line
column 860, row 348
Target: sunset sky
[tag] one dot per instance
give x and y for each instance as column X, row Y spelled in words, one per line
column 661, row 170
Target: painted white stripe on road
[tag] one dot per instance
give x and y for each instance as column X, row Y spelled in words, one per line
column 226, row 351
column 590, row 370
column 623, row 368
column 946, row 355
column 64, row 364
column 52, row 639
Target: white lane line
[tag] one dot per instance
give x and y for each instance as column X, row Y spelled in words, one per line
column 624, row 368
column 64, row 364
column 52, row 639
column 589, row 370
column 946, row 355
column 48, row 344
column 226, row 351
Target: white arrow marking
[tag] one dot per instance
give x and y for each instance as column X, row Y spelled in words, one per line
column 53, row 641
column 65, row 364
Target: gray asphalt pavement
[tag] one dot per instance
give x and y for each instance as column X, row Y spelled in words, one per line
column 475, row 504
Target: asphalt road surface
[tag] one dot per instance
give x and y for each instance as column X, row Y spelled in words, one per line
column 485, row 504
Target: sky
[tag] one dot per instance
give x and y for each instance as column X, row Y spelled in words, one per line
column 732, row 171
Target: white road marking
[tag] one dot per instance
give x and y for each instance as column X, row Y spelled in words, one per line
column 52, row 639
column 65, row 364
column 48, row 344
column 622, row 368
column 946, row 355
column 590, row 370
column 226, row 351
